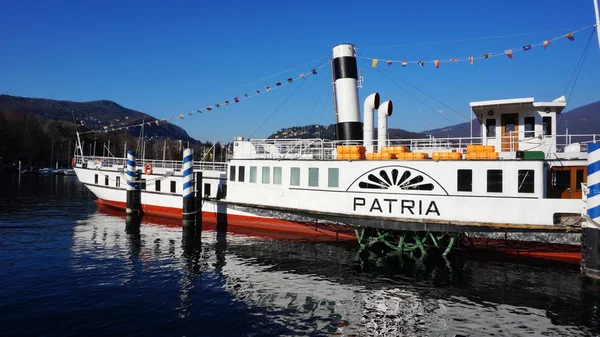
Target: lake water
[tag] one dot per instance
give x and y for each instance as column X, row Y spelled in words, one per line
column 69, row 269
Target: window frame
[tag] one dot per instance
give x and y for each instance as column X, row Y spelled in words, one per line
column 253, row 174
column 525, row 186
column 490, row 184
column 241, row 173
column 313, row 177
column 487, row 128
column 157, row 185
column 173, row 186
column 330, row 170
column 529, row 122
column 277, row 177
column 297, row 176
column 265, row 170
column 232, row 171
column 460, row 183
column 547, row 125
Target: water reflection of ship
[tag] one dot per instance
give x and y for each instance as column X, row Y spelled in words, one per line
column 314, row 286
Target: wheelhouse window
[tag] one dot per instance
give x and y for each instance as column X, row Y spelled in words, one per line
column 242, row 174
column 143, row 184
column 295, row 176
column 106, row 180
column 96, row 179
column 277, row 175
column 253, row 174
column 464, row 180
column 547, row 125
column 173, row 186
column 232, row 173
column 266, row 175
column 526, row 181
column 494, row 181
column 313, row 177
column 529, row 127
column 333, row 175
column 118, row 182
column 157, row 185
column 207, row 189
column 490, row 128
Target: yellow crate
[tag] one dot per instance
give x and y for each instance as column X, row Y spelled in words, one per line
column 380, row 156
column 393, row 149
column 480, row 148
column 350, row 149
column 412, row 156
column 354, row 156
column 479, row 155
column 446, row 156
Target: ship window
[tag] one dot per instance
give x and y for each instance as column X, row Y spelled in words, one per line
column 333, row 175
column 526, row 181
column 494, row 181
column 547, row 125
column 464, row 180
column 578, row 180
column 96, row 179
column 266, row 175
column 207, row 190
column 490, row 128
column 157, row 185
column 232, row 173
column 118, row 183
column 173, row 187
column 143, row 184
column 561, row 179
column 106, row 180
column 529, row 126
column 242, row 173
column 313, row 177
column 277, row 175
column 295, row 176
column 252, row 174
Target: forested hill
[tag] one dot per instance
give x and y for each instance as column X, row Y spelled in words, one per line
column 328, row 132
column 92, row 115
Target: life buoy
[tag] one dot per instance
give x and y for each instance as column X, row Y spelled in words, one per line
column 72, row 162
column 148, row 169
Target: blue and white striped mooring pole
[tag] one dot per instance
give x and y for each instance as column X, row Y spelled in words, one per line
column 131, row 206
column 189, row 196
column 590, row 231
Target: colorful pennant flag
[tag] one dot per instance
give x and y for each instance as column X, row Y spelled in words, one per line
column 268, row 88
column 157, row 123
column 422, row 64
column 290, row 80
column 245, row 95
column 226, row 102
column 374, row 63
column 208, row 108
column 527, row 47
column 302, row 75
column 237, row 100
column 546, row 43
column 218, row 106
column 509, row 53
column 199, row 111
column 570, row 36
column 485, row 56
column 314, row 71
column 278, row 84
column 181, row 116
column 389, row 63
column 257, row 91
column 454, row 60
column 437, row 63
column 149, row 124
column 190, row 113
column 471, row 60
column 404, row 63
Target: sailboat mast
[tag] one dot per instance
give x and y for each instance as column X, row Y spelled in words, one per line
column 597, row 21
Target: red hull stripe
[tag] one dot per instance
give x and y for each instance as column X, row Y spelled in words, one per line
column 237, row 220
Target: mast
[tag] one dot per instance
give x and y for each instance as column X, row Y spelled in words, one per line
column 597, row 21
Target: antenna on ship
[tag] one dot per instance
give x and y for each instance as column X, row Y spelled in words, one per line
column 597, row 21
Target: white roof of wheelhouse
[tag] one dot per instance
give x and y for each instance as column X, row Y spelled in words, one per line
column 558, row 104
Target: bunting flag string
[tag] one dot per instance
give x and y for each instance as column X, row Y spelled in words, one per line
column 237, row 99
column 471, row 59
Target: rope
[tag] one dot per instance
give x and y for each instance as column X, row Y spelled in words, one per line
column 498, row 53
column 578, row 67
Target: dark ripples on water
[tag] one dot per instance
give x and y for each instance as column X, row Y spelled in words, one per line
column 69, row 270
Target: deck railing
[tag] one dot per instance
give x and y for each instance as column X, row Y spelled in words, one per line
column 506, row 143
column 174, row 165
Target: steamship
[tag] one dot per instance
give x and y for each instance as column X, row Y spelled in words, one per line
column 520, row 175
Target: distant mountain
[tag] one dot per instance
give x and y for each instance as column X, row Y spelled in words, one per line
column 93, row 115
column 328, row 132
column 582, row 120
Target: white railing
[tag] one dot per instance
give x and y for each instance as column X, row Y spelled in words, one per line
column 174, row 165
column 325, row 149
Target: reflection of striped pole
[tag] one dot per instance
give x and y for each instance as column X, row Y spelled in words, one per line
column 130, row 207
column 590, row 231
column 189, row 198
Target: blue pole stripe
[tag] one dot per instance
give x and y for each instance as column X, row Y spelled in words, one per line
column 130, row 183
column 594, row 212
column 594, row 190
column 188, row 172
column 130, row 162
column 593, row 147
column 187, row 184
column 131, row 173
column 131, row 153
column 593, row 168
column 187, row 159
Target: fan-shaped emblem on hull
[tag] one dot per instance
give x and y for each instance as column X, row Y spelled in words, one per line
column 396, row 179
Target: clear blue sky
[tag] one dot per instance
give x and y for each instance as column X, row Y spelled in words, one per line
column 166, row 58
